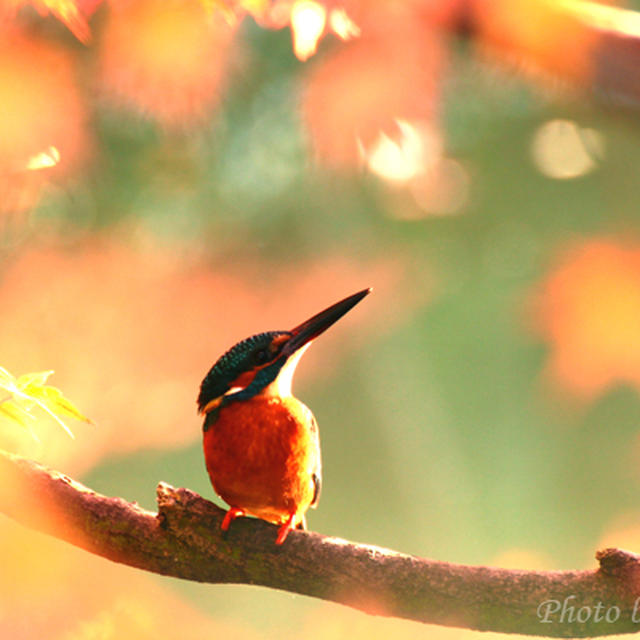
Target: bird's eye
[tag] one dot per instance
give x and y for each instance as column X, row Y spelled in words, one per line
column 261, row 356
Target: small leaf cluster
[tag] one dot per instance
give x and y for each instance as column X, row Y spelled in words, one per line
column 21, row 396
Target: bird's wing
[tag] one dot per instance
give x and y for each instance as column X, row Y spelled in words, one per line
column 316, row 474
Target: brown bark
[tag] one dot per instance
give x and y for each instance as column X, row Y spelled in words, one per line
column 183, row 539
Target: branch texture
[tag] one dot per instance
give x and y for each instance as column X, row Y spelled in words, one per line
column 183, row 539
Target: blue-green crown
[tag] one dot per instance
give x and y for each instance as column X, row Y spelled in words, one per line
column 251, row 353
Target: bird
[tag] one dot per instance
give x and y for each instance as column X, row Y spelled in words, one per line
column 261, row 444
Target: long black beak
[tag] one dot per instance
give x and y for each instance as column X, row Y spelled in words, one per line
column 319, row 323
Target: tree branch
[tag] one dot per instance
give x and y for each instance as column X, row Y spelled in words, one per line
column 184, row 540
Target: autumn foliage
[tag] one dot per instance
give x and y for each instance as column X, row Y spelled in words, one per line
column 166, row 59
column 377, row 81
column 589, row 310
column 131, row 299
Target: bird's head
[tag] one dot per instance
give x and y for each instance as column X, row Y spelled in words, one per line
column 265, row 363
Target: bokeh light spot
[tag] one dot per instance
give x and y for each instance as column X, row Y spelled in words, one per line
column 589, row 310
column 308, row 20
column 44, row 160
column 400, row 160
column 563, row 150
column 604, row 17
column 342, row 25
column 365, row 87
column 443, row 189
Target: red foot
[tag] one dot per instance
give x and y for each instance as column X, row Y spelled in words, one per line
column 283, row 531
column 231, row 515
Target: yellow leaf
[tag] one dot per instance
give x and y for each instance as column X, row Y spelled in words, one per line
column 67, row 12
column 15, row 412
column 54, row 399
column 7, row 381
column 29, row 390
column 37, row 379
column 12, row 411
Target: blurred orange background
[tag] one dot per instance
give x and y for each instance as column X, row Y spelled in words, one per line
column 176, row 176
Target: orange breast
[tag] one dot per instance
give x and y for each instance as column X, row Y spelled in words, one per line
column 261, row 456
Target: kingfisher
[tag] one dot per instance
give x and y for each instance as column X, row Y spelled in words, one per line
column 261, row 444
